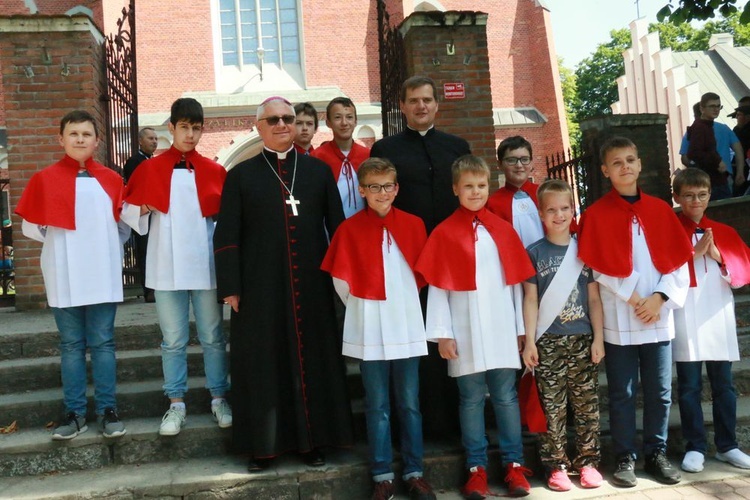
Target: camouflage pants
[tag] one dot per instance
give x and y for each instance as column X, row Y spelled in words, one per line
column 566, row 373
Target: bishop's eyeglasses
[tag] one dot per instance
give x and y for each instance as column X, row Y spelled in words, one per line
column 375, row 188
column 274, row 120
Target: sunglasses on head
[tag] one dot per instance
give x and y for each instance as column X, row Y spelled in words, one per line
column 274, row 120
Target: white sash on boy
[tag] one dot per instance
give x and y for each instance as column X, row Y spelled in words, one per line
column 558, row 291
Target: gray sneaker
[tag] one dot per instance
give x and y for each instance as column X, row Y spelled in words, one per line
column 111, row 425
column 71, row 426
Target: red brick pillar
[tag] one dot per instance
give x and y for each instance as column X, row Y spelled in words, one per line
column 451, row 48
column 50, row 66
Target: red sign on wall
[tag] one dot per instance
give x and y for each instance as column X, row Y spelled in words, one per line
column 454, row 90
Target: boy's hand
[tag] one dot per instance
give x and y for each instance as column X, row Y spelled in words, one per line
column 634, row 300
column 649, row 308
column 530, row 355
column 597, row 351
column 447, row 349
column 705, row 242
column 233, row 301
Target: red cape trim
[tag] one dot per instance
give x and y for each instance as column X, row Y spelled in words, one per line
column 330, row 153
column 355, row 254
column 734, row 252
column 302, row 150
column 50, row 196
column 151, row 183
column 448, row 260
column 605, row 239
column 501, row 202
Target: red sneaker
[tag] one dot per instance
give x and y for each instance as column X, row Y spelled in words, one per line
column 517, row 484
column 476, row 487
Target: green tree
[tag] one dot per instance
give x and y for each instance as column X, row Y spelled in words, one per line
column 570, row 98
column 595, row 77
column 679, row 11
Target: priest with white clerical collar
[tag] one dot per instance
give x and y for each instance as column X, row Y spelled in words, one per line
column 288, row 376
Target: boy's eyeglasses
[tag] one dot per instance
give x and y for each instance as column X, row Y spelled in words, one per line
column 274, row 120
column 375, row 188
column 692, row 197
column 512, row 160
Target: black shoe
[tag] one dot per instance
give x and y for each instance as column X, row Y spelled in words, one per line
column 624, row 475
column 258, row 464
column 659, row 467
column 314, row 458
column 148, row 297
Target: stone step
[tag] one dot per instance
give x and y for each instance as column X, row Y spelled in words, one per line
column 33, row 453
column 23, row 375
column 134, row 399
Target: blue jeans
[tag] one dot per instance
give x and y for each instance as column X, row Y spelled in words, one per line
column 172, row 308
column 376, row 380
column 502, row 387
column 623, row 363
column 93, row 327
column 724, row 405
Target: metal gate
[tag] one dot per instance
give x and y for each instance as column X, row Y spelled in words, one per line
column 122, row 112
column 392, row 71
column 573, row 168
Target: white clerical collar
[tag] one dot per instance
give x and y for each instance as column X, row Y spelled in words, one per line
column 280, row 154
column 421, row 132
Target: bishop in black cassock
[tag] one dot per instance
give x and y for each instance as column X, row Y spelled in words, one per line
column 288, row 375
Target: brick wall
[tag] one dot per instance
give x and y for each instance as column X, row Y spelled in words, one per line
column 734, row 213
column 427, row 35
column 34, row 107
column 53, row 8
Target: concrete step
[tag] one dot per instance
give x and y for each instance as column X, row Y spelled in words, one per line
column 134, row 400
column 31, row 451
column 28, row 374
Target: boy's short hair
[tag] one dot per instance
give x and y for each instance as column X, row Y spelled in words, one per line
column 344, row 101
column 468, row 163
column 78, row 116
column 615, row 142
column 375, row 166
column 697, row 110
column 186, row 109
column 709, row 96
column 416, row 82
column 513, row 142
column 690, row 177
column 553, row 186
column 308, row 109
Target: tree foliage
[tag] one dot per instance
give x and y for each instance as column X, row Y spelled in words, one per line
column 570, row 98
column 680, row 11
column 596, row 75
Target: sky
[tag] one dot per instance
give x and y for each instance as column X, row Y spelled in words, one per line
column 579, row 26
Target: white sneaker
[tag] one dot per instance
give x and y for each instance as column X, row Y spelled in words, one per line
column 735, row 457
column 693, row 461
column 222, row 413
column 172, row 422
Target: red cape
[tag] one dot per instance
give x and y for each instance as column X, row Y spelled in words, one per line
column 302, row 150
column 605, row 238
column 330, row 153
column 355, row 254
column 50, row 196
column 151, row 183
column 501, row 202
column 734, row 251
column 448, row 260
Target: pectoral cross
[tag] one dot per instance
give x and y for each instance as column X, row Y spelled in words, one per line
column 293, row 202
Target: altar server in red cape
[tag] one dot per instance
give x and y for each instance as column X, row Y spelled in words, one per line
column 307, row 125
column 182, row 191
column 342, row 154
column 706, row 329
column 474, row 263
column 372, row 258
column 639, row 254
column 73, row 208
